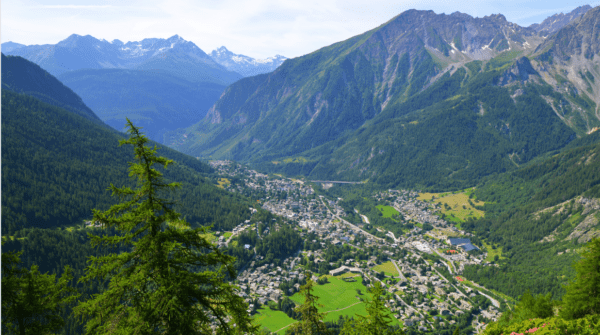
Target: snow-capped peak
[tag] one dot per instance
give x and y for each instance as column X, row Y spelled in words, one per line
column 244, row 65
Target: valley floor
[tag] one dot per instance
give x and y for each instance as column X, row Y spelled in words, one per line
column 421, row 269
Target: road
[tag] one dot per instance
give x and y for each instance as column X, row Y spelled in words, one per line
column 494, row 301
column 400, row 275
column 448, row 266
column 353, row 227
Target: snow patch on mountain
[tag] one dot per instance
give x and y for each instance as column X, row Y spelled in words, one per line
column 244, row 65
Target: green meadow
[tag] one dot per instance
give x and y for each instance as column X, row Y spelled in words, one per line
column 388, row 268
column 272, row 320
column 338, row 297
column 388, row 211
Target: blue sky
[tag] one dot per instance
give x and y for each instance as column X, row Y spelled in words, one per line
column 256, row 28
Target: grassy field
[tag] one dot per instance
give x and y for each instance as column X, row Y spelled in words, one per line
column 336, row 294
column 388, row 268
column 223, row 182
column 210, row 237
column 456, row 206
column 272, row 320
column 388, row 212
column 358, row 309
column 348, row 275
column 227, row 234
column 491, row 253
column 339, row 298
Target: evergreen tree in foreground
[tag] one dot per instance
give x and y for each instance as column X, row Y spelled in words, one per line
column 173, row 281
column 32, row 301
column 378, row 320
column 583, row 295
column 311, row 322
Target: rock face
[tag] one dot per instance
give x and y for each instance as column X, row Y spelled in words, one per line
column 588, row 228
column 318, row 97
column 521, row 71
column 244, row 65
column 455, row 35
column 555, row 22
column 579, row 38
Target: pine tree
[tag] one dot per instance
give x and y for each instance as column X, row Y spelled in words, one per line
column 378, row 320
column 32, row 301
column 583, row 295
column 172, row 280
column 311, row 320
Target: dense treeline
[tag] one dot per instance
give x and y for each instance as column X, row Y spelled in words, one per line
column 51, row 250
column 56, row 166
column 578, row 312
column 513, row 221
column 274, row 242
column 22, row 76
column 454, row 143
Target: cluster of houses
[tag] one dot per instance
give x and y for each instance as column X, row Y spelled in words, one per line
column 430, row 293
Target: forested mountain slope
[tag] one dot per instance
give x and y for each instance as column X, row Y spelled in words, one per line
column 539, row 216
column 157, row 101
column 448, row 98
column 56, row 167
column 22, row 76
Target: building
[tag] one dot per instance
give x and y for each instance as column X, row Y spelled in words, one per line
column 463, row 243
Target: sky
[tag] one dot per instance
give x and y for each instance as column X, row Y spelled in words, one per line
column 256, row 28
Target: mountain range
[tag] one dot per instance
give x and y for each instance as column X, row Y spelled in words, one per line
column 173, row 55
column 163, row 84
column 464, row 96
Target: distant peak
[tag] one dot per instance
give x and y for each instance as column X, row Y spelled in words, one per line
column 72, row 36
column 459, row 14
column 175, row 37
column 498, row 17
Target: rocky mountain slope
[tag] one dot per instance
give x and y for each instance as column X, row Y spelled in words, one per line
column 555, row 22
column 332, row 112
column 244, row 65
column 568, row 61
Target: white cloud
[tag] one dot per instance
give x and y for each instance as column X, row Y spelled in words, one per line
column 73, row 6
